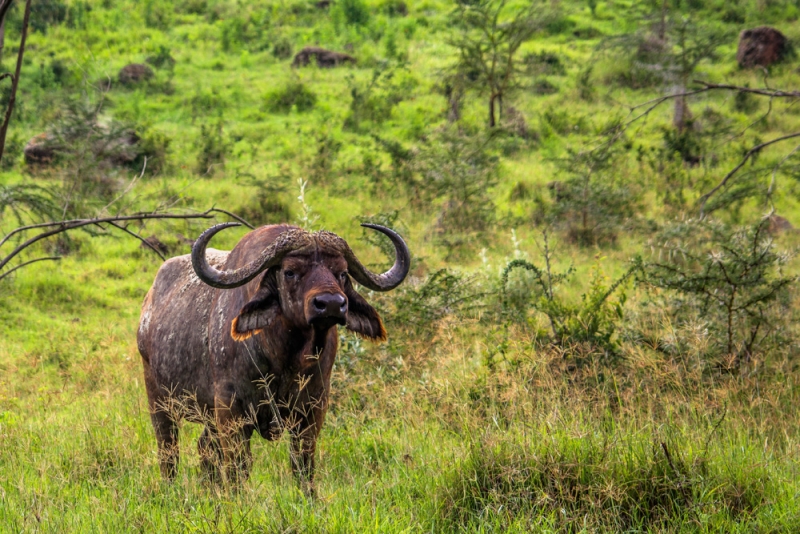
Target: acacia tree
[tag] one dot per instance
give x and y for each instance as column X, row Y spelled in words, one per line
column 488, row 36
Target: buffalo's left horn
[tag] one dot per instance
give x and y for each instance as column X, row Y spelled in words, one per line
column 272, row 255
column 391, row 278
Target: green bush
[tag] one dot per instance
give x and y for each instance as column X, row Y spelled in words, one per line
column 213, row 145
column 294, row 95
column 594, row 320
column 353, row 12
column 730, row 277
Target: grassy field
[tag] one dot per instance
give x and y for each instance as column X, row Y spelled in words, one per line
column 473, row 416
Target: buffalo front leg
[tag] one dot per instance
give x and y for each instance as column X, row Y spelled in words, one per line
column 304, row 446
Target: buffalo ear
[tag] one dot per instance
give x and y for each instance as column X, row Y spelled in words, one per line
column 361, row 317
column 262, row 310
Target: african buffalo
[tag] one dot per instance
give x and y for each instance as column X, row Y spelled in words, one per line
column 245, row 340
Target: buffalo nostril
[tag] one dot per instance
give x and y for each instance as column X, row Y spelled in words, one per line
column 320, row 304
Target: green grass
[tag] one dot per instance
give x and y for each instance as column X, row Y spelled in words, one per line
column 467, row 424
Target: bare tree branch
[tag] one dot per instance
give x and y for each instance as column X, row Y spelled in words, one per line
column 702, row 201
column 12, row 98
column 777, row 93
column 63, row 226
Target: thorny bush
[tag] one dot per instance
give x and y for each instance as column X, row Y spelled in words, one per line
column 731, row 278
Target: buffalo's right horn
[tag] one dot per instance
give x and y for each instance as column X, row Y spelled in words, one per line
column 391, row 278
column 272, row 255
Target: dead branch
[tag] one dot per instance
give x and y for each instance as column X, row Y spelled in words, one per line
column 140, row 238
column 12, row 98
column 58, row 227
column 761, row 92
column 702, row 201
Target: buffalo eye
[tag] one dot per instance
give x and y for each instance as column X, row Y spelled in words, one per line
column 289, row 274
column 343, row 275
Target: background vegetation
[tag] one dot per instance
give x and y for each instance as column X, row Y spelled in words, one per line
column 576, row 349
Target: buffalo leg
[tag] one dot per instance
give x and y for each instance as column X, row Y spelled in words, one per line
column 164, row 425
column 234, row 440
column 304, row 446
column 210, row 453
column 167, row 438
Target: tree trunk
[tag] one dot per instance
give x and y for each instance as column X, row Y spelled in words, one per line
column 500, row 106
column 15, row 82
column 491, row 111
column 682, row 113
column 2, row 39
column 453, row 103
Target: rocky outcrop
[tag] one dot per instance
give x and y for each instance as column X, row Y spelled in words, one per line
column 324, row 58
column 134, row 74
column 761, row 47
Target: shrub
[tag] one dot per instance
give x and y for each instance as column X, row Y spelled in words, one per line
column 597, row 198
column 458, row 168
column 731, row 277
column 162, row 58
column 594, row 320
column 267, row 206
column 354, row 12
column 282, row 48
column 294, row 94
column 544, row 63
column 45, row 13
column 373, row 102
column 212, row 146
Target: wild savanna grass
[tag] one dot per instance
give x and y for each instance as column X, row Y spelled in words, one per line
column 474, row 416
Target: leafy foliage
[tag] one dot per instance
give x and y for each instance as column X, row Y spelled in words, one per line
column 294, row 95
column 594, row 320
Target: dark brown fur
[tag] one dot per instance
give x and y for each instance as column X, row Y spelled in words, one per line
column 245, row 359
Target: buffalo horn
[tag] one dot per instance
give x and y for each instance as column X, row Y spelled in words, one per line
column 272, row 255
column 391, row 278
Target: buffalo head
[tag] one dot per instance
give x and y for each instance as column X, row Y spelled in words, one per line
column 307, row 284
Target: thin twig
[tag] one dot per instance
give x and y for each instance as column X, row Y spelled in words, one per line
column 21, row 265
column 234, row 216
column 140, row 238
column 127, row 189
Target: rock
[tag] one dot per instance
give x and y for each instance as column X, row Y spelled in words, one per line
column 155, row 243
column 40, row 150
column 324, row 58
column 135, row 73
column 778, row 224
column 761, row 47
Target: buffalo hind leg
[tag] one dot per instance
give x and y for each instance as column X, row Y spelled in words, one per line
column 163, row 423
column 167, row 438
